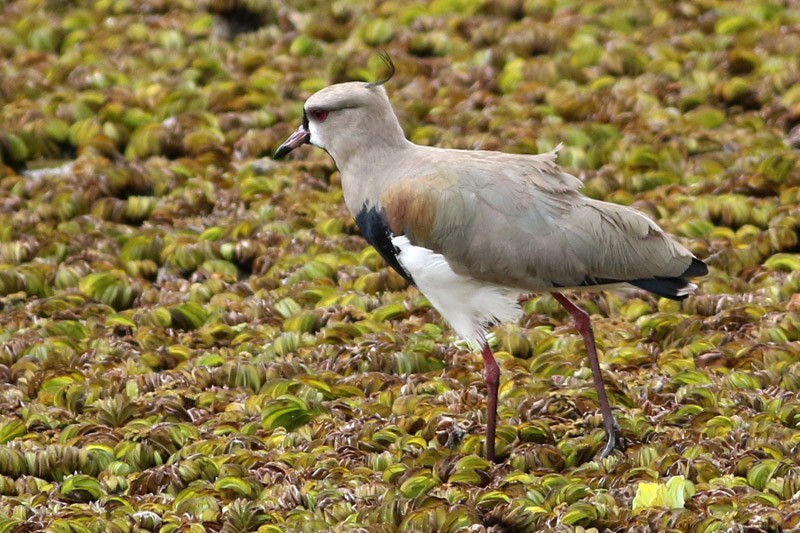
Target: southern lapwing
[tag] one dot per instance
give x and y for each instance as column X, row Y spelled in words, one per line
column 473, row 230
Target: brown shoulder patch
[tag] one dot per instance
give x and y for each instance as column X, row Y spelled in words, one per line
column 410, row 205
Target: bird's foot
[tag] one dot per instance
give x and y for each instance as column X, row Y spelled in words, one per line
column 615, row 441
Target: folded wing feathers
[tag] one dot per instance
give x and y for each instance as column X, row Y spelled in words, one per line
column 526, row 225
column 628, row 245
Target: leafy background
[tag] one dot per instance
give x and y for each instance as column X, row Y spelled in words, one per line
column 195, row 338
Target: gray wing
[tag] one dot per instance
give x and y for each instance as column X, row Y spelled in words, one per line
column 520, row 221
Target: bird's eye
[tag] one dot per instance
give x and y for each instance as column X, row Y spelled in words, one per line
column 318, row 115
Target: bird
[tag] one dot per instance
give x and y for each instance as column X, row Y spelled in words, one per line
column 476, row 230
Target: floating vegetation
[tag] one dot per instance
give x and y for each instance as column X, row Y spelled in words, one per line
column 196, row 338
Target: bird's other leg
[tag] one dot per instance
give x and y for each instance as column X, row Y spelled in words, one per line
column 584, row 325
column 491, row 374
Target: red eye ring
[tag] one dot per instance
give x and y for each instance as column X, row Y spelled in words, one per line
column 318, row 115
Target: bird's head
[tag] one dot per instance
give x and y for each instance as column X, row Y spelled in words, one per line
column 346, row 117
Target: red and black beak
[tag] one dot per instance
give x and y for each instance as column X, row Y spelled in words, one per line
column 299, row 137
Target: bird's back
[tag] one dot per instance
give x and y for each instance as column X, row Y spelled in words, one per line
column 521, row 221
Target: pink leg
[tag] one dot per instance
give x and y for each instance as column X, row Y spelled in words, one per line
column 584, row 325
column 491, row 374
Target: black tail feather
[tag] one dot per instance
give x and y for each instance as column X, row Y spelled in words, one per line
column 677, row 288
column 672, row 288
column 696, row 269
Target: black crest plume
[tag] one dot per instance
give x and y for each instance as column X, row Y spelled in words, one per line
column 389, row 63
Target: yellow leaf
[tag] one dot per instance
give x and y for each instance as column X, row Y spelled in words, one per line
column 647, row 495
column 671, row 495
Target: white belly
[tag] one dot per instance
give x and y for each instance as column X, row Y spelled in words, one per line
column 466, row 303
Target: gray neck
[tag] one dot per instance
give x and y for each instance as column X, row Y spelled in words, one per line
column 368, row 136
column 365, row 178
column 369, row 160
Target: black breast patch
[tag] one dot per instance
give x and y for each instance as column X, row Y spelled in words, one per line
column 376, row 232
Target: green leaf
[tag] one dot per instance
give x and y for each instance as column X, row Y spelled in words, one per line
column 303, row 45
column 784, row 262
column 109, row 288
column 235, row 484
column 287, row 411
column 210, row 359
column 733, row 24
column 287, row 308
column 7, row 525
column 692, row 377
column 11, row 429
column 83, row 488
column 759, row 474
column 512, row 75
column 493, row 498
column 678, row 490
column 188, row 316
column 389, row 312
column 580, row 512
column 417, row 485
column 303, row 322
column 377, row 32
column 707, row 117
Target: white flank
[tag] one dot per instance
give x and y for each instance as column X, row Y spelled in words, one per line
column 467, row 304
